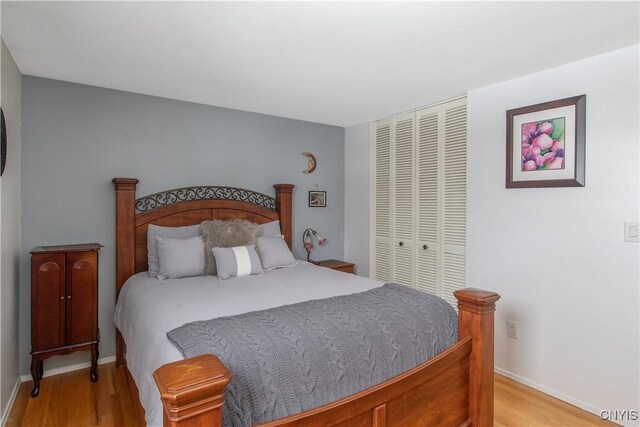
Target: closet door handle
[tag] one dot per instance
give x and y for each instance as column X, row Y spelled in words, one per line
column 401, row 244
column 425, row 247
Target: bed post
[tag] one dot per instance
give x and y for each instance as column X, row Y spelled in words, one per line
column 284, row 197
column 192, row 391
column 125, row 243
column 476, row 309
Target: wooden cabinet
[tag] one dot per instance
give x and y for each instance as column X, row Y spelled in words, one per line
column 64, row 305
column 336, row 264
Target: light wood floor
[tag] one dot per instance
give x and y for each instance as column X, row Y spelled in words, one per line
column 72, row 400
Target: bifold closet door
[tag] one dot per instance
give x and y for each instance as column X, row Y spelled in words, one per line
column 403, row 200
column 427, row 178
column 454, row 198
column 382, row 261
column 420, row 186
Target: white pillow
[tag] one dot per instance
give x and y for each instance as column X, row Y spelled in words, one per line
column 237, row 261
column 180, row 257
column 274, row 252
column 159, row 231
column 270, row 229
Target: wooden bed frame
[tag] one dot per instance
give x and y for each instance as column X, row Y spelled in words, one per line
column 453, row 389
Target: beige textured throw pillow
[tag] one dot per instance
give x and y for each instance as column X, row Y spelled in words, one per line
column 225, row 234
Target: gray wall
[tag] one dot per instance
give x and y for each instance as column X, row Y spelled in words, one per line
column 10, row 94
column 76, row 138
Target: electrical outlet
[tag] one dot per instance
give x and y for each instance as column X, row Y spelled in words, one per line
column 512, row 329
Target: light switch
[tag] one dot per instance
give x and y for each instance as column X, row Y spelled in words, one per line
column 631, row 229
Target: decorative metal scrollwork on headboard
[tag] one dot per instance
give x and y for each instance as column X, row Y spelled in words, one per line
column 187, row 194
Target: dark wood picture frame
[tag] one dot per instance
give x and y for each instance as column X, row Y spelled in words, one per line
column 577, row 145
column 317, row 199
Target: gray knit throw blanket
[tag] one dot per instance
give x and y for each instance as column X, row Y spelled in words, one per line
column 297, row 357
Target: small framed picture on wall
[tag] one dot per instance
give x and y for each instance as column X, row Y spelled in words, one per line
column 317, row 199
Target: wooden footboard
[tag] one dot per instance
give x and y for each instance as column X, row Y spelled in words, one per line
column 453, row 389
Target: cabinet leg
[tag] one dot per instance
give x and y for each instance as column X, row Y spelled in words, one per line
column 35, row 374
column 40, row 369
column 94, row 362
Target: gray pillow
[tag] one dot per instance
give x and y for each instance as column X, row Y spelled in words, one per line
column 270, row 229
column 225, row 234
column 159, row 231
column 237, row 261
column 274, row 253
column 180, row 257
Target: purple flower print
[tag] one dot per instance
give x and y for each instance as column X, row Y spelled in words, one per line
column 543, row 145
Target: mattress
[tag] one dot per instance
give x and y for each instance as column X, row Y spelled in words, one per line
column 148, row 308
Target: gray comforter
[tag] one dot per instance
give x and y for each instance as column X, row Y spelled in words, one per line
column 297, row 357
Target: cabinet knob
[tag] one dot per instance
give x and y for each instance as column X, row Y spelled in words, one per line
column 62, row 298
column 425, row 247
column 401, row 244
column 68, row 296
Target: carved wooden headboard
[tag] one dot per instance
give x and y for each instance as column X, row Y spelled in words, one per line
column 187, row 206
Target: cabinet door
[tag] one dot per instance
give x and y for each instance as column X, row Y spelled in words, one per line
column 47, row 301
column 81, row 296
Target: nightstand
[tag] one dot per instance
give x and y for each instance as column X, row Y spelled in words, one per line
column 336, row 264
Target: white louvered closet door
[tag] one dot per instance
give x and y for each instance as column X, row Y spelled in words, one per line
column 454, row 198
column 427, row 140
column 382, row 265
column 420, row 198
column 403, row 198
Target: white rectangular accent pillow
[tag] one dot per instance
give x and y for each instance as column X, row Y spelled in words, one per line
column 237, row 261
column 180, row 257
column 159, row 231
column 274, row 252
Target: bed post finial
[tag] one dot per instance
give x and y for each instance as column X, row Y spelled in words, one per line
column 476, row 309
column 125, row 243
column 192, row 391
column 284, row 197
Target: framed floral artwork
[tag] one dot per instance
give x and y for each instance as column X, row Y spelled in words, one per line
column 546, row 144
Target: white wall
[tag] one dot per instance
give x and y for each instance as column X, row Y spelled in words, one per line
column 557, row 256
column 11, row 87
column 357, row 194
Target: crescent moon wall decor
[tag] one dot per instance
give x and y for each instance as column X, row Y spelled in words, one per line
column 311, row 162
column 3, row 142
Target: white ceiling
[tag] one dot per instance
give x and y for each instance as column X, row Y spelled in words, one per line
column 333, row 62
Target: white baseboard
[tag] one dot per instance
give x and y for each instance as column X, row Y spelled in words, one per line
column 64, row 369
column 558, row 395
column 12, row 398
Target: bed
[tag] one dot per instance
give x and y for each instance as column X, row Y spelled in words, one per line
column 453, row 388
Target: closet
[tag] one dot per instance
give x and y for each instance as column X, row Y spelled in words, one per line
column 419, row 185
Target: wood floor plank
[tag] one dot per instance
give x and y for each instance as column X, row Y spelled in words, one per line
column 519, row 405
column 71, row 399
